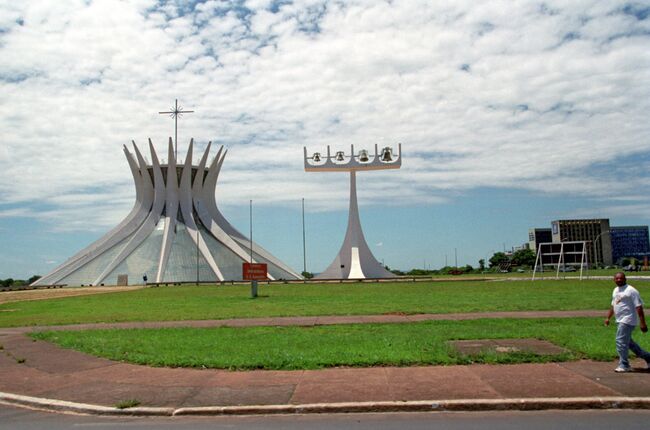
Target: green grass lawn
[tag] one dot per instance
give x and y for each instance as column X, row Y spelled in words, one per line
column 219, row 302
column 528, row 273
column 408, row 344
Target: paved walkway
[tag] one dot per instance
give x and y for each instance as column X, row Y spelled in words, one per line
column 317, row 320
column 43, row 371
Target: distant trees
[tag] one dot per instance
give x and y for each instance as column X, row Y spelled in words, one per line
column 12, row 283
column 519, row 258
column 523, row 257
column 498, row 259
column 447, row 270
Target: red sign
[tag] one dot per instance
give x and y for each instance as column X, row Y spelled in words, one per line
column 254, row 271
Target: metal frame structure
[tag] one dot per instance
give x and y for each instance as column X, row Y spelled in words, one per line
column 354, row 260
column 561, row 262
column 178, row 200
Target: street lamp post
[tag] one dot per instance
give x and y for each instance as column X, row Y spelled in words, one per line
column 595, row 248
column 198, row 238
column 253, row 282
column 304, row 244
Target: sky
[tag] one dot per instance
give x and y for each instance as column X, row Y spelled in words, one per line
column 511, row 114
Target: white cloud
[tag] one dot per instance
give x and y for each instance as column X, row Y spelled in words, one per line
column 489, row 94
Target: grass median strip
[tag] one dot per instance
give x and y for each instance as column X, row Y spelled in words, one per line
column 221, row 302
column 358, row 345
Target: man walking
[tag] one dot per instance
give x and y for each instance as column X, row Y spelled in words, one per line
column 628, row 308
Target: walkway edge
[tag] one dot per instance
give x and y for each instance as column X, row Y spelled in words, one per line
column 459, row 405
column 53, row 405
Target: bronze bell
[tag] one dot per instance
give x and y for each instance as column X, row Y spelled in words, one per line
column 363, row 156
column 340, row 156
column 316, row 157
column 387, row 154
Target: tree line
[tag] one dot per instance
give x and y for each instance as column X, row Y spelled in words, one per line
column 500, row 261
column 12, row 283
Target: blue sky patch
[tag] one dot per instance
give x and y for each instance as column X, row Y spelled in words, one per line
column 640, row 12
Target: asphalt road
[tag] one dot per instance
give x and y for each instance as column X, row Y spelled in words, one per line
column 24, row 419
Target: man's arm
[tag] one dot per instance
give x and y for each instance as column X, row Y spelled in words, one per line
column 611, row 313
column 643, row 326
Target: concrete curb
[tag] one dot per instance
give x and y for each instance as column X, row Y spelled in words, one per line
column 460, row 405
column 52, row 405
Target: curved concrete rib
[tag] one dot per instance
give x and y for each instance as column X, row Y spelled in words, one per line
column 200, row 171
column 144, row 195
column 149, row 223
column 138, row 197
column 210, row 215
column 188, row 215
column 201, row 207
column 206, row 210
column 223, row 224
column 171, row 212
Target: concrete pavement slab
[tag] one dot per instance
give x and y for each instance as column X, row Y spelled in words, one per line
column 106, row 393
column 538, row 380
column 47, row 357
column 244, row 395
column 32, row 382
column 436, row 382
column 254, row 378
column 628, row 384
column 160, row 377
column 342, row 385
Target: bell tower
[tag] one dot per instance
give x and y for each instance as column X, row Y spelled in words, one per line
column 354, row 260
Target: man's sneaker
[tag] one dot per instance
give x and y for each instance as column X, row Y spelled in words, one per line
column 621, row 369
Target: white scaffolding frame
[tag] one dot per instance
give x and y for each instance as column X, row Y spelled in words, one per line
column 561, row 261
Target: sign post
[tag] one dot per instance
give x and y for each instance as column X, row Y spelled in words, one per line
column 254, row 272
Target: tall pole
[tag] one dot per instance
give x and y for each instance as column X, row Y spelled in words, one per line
column 304, row 247
column 599, row 245
column 251, row 225
column 455, row 258
column 197, row 243
column 197, row 255
column 253, row 282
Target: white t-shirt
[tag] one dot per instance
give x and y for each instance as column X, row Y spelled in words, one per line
column 625, row 300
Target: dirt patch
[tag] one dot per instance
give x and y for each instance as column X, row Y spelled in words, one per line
column 43, row 294
column 504, row 346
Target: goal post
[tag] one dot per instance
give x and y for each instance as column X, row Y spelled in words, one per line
column 560, row 256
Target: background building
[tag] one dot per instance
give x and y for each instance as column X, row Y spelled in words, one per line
column 592, row 231
column 537, row 236
column 630, row 241
column 605, row 245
